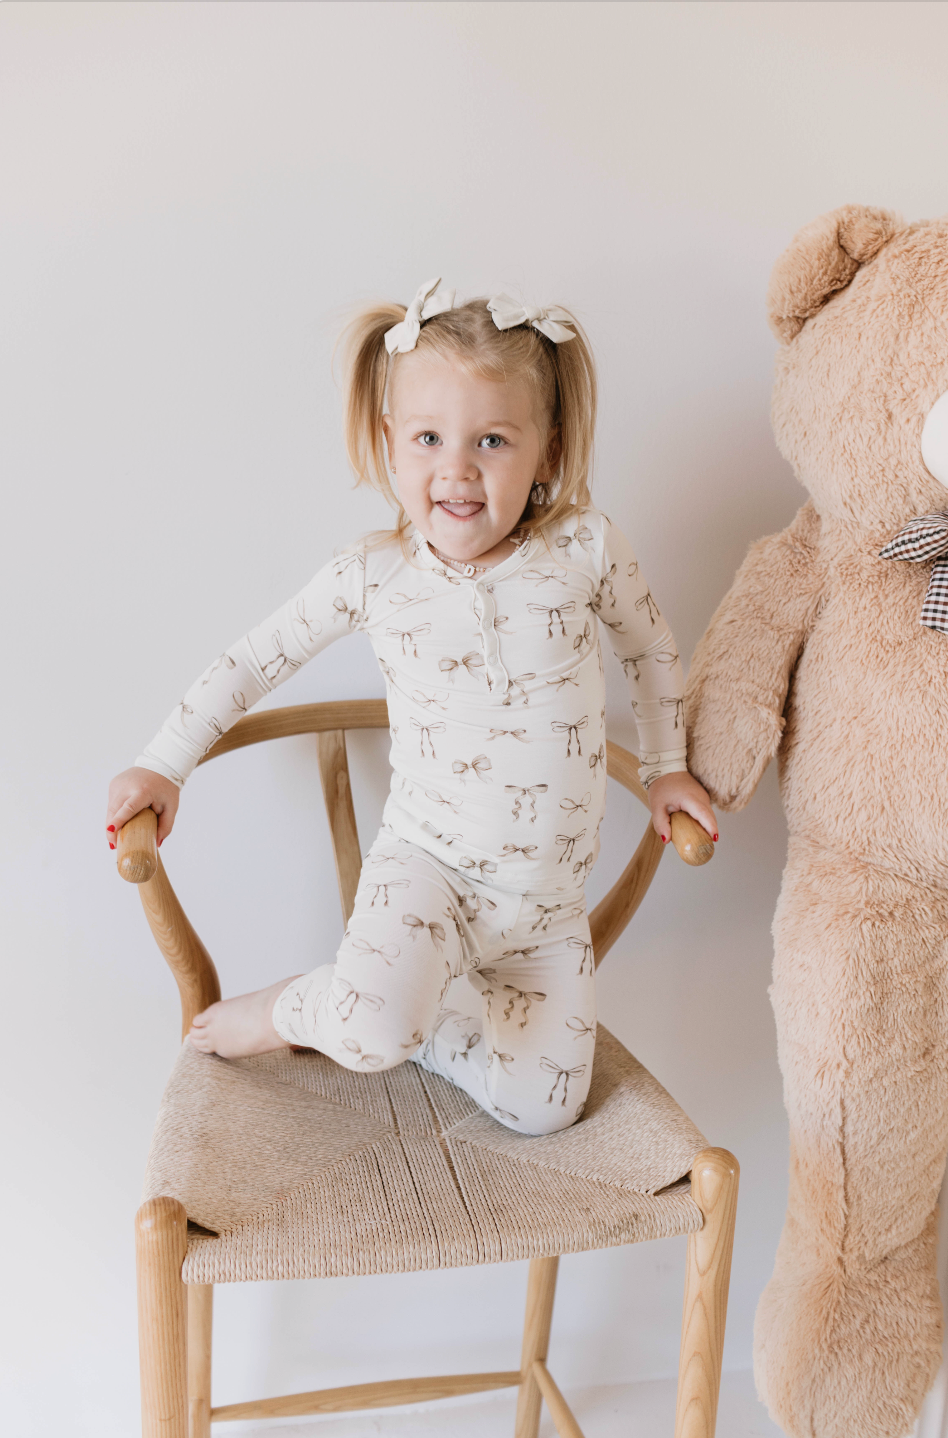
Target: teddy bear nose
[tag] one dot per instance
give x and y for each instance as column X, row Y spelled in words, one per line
column 935, row 440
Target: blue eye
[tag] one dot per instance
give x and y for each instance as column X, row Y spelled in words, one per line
column 493, row 441
column 429, row 439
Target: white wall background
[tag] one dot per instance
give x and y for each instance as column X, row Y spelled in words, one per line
column 191, row 195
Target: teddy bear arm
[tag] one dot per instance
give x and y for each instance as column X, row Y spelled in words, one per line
column 740, row 673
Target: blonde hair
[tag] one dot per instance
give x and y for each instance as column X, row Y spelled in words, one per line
column 562, row 377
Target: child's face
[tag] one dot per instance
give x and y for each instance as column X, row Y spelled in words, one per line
column 466, row 451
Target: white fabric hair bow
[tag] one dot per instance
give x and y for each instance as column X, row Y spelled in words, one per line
column 428, row 302
column 507, row 314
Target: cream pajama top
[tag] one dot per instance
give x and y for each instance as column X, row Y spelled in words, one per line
column 495, row 690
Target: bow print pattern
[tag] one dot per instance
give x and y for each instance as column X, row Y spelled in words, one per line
column 426, row 701
column 400, row 601
column 564, row 1074
column 547, row 596
column 409, row 638
column 345, row 996
column 418, row 926
column 312, row 628
column 554, row 615
column 453, row 804
column 386, row 952
column 563, row 680
column 524, row 796
column 518, row 686
column 546, row 914
column 568, row 843
column 217, row 732
column 381, row 890
column 582, row 867
column 224, row 660
column 470, row 661
column 354, row 617
column 521, row 997
column 453, row 645
column 526, row 994
column 560, row 726
column 478, row 767
column 425, row 732
column 483, row 866
column 366, row 1061
column 539, row 577
column 446, row 839
column 647, row 603
column 580, row 1027
column 274, row 667
column 587, row 952
column 583, row 537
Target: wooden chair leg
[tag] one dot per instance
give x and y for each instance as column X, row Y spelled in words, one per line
column 200, row 1318
column 714, row 1180
column 541, row 1290
column 161, row 1240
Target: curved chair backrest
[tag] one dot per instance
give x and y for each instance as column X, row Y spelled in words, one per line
column 187, row 957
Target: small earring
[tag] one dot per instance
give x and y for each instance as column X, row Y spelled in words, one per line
column 393, row 469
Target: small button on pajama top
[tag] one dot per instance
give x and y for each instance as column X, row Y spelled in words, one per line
column 468, row 949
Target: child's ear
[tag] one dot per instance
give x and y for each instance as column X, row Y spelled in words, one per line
column 822, row 259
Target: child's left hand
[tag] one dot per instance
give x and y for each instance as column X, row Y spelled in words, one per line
column 673, row 792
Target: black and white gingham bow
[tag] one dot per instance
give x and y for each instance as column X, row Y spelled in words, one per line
column 922, row 539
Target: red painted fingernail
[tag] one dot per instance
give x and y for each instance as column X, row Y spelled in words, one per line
column 110, row 829
column 664, row 840
column 715, row 837
column 111, row 846
column 160, row 842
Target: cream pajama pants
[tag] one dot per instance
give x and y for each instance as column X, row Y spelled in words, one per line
column 493, row 990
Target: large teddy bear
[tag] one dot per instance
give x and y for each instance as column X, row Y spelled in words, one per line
column 821, row 655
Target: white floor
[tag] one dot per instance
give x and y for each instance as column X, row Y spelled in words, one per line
column 634, row 1410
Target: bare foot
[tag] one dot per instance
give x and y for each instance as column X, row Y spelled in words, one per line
column 237, row 1028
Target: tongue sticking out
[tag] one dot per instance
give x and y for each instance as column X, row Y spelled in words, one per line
column 461, row 509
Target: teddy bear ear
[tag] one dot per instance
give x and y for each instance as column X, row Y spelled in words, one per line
column 822, row 259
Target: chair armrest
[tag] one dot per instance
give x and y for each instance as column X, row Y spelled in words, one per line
column 186, row 956
column 693, row 843
column 136, row 851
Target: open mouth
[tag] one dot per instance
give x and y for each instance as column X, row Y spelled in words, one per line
column 460, row 508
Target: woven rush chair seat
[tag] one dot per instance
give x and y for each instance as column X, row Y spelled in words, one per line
column 288, row 1165
column 304, row 1169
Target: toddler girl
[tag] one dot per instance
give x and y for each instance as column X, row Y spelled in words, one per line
column 468, row 950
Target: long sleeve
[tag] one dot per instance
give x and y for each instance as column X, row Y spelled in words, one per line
column 332, row 604
column 646, row 648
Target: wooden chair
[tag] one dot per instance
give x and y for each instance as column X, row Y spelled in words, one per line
column 424, row 1180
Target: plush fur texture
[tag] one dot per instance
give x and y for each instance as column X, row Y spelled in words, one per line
column 816, row 655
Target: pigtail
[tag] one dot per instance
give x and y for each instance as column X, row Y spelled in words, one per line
column 573, row 423
column 366, row 372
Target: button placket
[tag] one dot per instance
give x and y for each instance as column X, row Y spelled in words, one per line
column 485, row 609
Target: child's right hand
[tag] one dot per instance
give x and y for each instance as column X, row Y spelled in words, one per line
column 139, row 789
